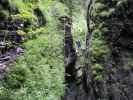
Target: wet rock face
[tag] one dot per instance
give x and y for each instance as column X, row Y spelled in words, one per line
column 116, row 30
column 8, row 31
column 69, row 51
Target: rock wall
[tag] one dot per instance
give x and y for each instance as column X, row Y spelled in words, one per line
column 109, row 51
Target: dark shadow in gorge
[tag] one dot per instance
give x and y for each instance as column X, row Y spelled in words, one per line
column 40, row 16
column 73, row 89
column 69, row 51
column 69, row 60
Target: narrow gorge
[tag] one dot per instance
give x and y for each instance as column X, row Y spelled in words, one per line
column 107, row 72
column 66, row 49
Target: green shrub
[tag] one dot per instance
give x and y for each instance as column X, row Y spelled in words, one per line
column 16, row 77
column 4, row 94
column 26, row 16
column 39, row 73
column 37, row 76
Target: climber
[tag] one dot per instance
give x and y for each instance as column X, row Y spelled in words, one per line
column 78, row 45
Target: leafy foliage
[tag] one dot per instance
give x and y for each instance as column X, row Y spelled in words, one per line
column 4, row 14
column 16, row 77
column 21, row 33
column 97, row 71
column 25, row 16
column 39, row 73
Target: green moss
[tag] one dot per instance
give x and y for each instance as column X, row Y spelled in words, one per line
column 59, row 9
column 99, row 50
column 121, row 3
column 97, row 72
column 21, row 33
column 23, row 5
column 97, row 67
column 99, row 6
column 25, row 16
column 101, row 9
column 100, row 13
column 105, row 13
column 96, row 33
column 98, row 78
column 4, row 14
column 129, row 65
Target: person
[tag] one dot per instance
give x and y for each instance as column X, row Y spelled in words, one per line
column 78, row 45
